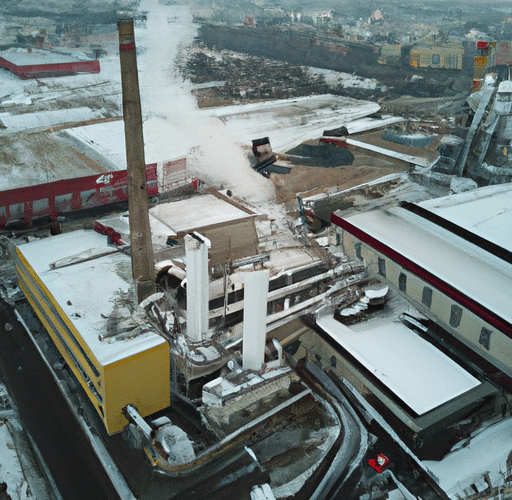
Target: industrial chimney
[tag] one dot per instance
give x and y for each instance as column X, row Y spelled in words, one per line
column 196, row 247
column 255, row 319
column 143, row 266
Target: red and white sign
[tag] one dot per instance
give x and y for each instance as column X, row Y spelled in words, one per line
column 379, row 463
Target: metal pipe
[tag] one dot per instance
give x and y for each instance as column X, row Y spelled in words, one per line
column 134, row 416
column 279, row 350
column 143, row 265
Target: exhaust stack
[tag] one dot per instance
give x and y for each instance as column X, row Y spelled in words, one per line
column 143, row 265
column 255, row 319
column 196, row 247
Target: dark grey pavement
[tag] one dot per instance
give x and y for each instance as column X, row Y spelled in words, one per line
column 73, row 464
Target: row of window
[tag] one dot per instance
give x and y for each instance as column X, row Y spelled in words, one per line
column 61, row 201
column 58, row 325
column 426, row 300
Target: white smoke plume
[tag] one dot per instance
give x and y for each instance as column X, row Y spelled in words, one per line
column 172, row 119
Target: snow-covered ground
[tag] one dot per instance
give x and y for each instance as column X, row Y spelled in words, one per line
column 487, row 451
column 216, row 140
column 41, row 94
column 11, row 472
column 347, row 80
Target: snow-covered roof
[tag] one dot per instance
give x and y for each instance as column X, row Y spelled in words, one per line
column 289, row 122
column 415, row 160
column 486, row 211
column 372, row 123
column 283, row 259
column 468, row 268
column 195, row 212
column 487, row 452
column 42, row 119
column 418, row 373
column 103, row 281
column 29, row 57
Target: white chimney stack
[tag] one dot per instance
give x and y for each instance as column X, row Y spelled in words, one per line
column 255, row 319
column 196, row 247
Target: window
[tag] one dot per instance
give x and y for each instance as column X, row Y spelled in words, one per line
column 426, row 298
column 16, row 210
column 333, row 361
column 278, row 282
column 455, row 316
column 382, row 266
column 63, row 201
column 309, row 272
column 485, row 338
column 402, row 282
column 87, row 195
column 436, row 59
column 358, row 250
column 40, row 206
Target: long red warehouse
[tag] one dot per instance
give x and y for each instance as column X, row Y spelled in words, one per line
column 41, row 64
column 25, row 204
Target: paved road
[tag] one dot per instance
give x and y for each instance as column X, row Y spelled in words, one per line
column 68, row 454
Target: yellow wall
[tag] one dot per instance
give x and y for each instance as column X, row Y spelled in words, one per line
column 436, row 57
column 142, row 379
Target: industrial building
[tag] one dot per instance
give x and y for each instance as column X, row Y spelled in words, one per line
column 417, row 389
column 437, row 56
column 447, row 361
column 504, row 53
column 452, row 274
column 240, row 240
column 38, row 63
column 26, row 205
column 114, row 353
column 485, row 58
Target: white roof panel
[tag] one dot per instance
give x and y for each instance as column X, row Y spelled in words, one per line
column 485, row 211
column 195, row 212
column 468, row 268
column 415, row 160
column 412, row 368
column 103, row 281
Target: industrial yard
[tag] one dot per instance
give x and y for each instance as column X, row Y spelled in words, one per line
column 326, row 190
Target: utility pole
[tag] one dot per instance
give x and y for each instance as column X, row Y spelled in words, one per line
column 143, row 266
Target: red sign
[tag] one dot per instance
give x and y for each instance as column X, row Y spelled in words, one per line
column 379, row 463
